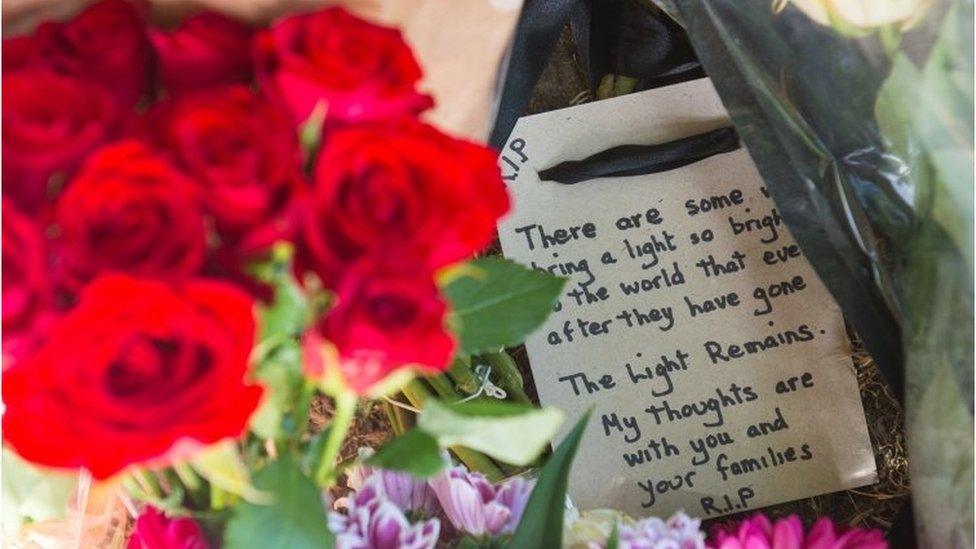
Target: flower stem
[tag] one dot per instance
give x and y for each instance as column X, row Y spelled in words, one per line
column 193, row 483
column 507, row 373
column 444, row 387
column 460, row 372
column 345, row 411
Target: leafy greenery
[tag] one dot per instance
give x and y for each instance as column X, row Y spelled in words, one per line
column 497, row 303
column 224, row 468
column 294, row 520
column 415, row 452
column 542, row 521
column 514, row 434
column 32, row 494
column 926, row 112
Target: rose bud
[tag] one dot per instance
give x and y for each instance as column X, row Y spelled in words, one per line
column 243, row 153
column 402, row 186
column 361, row 71
column 154, row 530
column 388, row 317
column 206, row 49
column 107, row 43
column 27, row 297
column 51, row 123
column 129, row 210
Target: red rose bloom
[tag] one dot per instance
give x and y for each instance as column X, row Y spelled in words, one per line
column 27, row 298
column 361, row 70
column 386, row 317
column 50, row 123
column 129, row 210
column 205, row 50
column 244, row 154
column 20, row 52
column 107, row 43
column 154, row 530
column 402, row 186
column 137, row 372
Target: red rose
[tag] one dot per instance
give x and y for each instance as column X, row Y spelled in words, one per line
column 107, row 43
column 386, row 317
column 402, row 186
column 243, row 152
column 27, row 297
column 154, row 530
column 206, row 49
column 361, row 70
column 139, row 371
column 20, row 52
column 129, row 210
column 50, row 123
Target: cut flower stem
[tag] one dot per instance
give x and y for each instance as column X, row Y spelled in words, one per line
column 345, row 412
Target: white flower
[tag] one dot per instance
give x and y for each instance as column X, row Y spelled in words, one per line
column 861, row 15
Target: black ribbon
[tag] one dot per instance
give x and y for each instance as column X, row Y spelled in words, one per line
column 626, row 160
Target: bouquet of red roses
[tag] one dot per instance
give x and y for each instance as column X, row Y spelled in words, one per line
column 208, row 226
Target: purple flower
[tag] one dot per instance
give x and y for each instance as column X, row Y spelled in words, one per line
column 679, row 532
column 412, row 495
column 374, row 521
column 475, row 507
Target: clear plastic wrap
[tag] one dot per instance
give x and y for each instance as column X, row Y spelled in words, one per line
column 859, row 116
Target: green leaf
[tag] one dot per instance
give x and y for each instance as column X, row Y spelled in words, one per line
column 499, row 303
column 288, row 314
column 542, row 521
column 488, row 428
column 32, row 494
column 488, row 408
column 613, row 541
column 222, row 465
column 310, row 132
column 281, row 372
column 414, row 452
column 295, row 520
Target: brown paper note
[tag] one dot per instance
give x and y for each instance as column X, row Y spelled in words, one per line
column 716, row 362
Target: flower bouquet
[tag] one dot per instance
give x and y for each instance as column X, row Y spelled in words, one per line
column 211, row 228
column 208, row 227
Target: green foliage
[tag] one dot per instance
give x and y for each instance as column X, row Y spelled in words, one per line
column 294, row 520
column 310, row 132
column 613, row 540
column 281, row 372
column 288, row 314
column 512, row 433
column 278, row 355
column 223, row 466
column 926, row 112
column 31, row 494
column 415, row 452
column 499, row 303
column 542, row 521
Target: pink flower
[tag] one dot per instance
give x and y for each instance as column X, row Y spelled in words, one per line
column 153, row 530
column 787, row 533
column 475, row 507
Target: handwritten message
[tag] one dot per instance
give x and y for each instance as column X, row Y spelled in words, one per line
column 716, row 362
